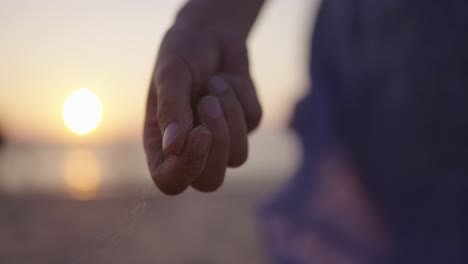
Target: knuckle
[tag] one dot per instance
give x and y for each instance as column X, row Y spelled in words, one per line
column 167, row 105
column 164, row 74
column 170, row 72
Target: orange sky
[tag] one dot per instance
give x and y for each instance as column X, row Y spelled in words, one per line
column 50, row 48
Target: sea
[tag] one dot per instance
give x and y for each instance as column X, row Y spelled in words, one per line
column 95, row 171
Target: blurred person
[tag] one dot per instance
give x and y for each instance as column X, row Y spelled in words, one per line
column 384, row 129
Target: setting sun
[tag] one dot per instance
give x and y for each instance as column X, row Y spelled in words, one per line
column 82, row 111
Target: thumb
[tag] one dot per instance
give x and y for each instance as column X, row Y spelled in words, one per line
column 172, row 81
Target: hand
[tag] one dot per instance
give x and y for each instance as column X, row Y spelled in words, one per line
column 201, row 105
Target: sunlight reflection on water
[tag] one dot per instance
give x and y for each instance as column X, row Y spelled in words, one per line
column 89, row 172
column 82, row 174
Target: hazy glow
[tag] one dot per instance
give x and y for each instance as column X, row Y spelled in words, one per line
column 82, row 174
column 47, row 47
column 82, row 111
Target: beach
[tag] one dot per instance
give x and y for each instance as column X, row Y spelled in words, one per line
column 134, row 228
column 122, row 217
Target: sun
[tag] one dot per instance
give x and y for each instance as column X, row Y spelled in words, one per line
column 82, row 111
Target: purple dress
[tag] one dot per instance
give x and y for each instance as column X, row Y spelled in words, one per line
column 389, row 93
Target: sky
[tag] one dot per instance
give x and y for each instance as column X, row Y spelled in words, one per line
column 50, row 48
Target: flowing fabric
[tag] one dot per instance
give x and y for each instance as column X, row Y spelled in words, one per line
column 384, row 130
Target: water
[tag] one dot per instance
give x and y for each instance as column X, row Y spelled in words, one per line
column 87, row 172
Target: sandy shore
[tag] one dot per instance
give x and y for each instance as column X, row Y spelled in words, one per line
column 138, row 228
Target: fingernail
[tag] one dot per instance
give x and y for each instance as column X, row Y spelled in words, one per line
column 210, row 107
column 170, row 134
column 218, row 85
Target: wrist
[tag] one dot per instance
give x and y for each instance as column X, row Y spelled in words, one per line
column 224, row 17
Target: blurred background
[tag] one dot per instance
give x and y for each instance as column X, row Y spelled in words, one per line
column 78, row 191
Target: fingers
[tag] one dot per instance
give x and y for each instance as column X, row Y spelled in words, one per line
column 203, row 161
column 211, row 115
column 173, row 174
column 172, row 82
column 237, row 64
column 235, row 119
column 247, row 96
